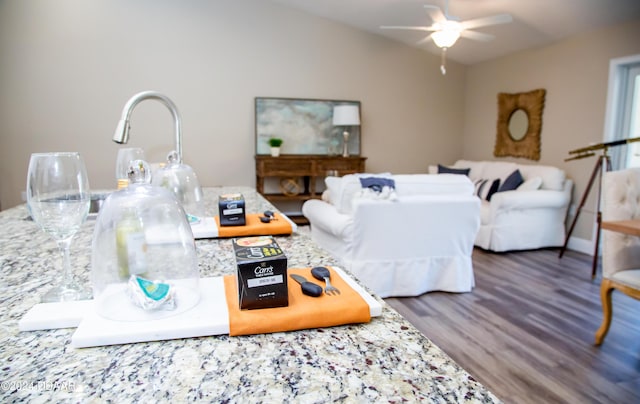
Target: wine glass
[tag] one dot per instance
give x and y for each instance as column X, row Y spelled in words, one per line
column 58, row 199
column 125, row 157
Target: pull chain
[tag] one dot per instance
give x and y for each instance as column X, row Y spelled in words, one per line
column 443, row 62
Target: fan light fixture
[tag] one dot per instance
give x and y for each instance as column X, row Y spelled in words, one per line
column 447, row 35
column 446, row 29
column 445, row 39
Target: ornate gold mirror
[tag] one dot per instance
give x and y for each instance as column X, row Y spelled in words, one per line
column 519, row 124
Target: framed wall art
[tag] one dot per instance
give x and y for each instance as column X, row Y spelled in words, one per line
column 304, row 125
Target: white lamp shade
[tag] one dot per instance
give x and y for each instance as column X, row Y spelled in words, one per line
column 346, row 115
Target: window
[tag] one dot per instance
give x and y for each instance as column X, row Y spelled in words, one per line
column 623, row 111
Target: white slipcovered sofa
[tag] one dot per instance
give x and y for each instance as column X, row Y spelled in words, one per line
column 419, row 241
column 531, row 216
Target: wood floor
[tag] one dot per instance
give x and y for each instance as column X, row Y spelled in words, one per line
column 527, row 330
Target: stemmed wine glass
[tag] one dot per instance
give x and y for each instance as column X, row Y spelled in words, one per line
column 58, row 199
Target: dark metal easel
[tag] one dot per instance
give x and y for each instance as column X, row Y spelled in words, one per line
column 602, row 165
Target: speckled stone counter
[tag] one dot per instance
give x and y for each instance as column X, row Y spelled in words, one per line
column 386, row 360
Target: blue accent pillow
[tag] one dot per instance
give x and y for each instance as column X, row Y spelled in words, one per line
column 513, row 181
column 448, row 170
column 377, row 183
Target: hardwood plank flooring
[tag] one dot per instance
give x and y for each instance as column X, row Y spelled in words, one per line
column 527, row 330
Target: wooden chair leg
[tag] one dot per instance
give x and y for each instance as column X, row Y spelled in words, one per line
column 606, row 288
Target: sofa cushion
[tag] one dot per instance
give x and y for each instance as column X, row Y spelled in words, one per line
column 513, row 181
column 450, row 170
column 552, row 178
column 432, row 184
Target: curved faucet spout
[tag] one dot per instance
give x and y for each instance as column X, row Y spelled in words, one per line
column 122, row 131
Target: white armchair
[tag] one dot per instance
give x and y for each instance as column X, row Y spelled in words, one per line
column 419, row 242
column 620, row 252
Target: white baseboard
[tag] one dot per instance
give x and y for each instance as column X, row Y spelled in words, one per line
column 581, row 245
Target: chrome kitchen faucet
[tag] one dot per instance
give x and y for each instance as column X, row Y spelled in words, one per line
column 122, row 131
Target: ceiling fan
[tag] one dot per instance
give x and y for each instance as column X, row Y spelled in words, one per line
column 446, row 29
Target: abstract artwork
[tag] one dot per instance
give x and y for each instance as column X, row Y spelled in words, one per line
column 304, row 125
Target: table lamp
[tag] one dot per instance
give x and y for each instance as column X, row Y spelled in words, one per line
column 346, row 115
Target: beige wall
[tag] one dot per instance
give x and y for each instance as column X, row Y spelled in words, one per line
column 575, row 73
column 67, row 67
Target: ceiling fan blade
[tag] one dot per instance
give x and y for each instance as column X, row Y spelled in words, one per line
column 478, row 36
column 435, row 13
column 415, row 28
column 484, row 21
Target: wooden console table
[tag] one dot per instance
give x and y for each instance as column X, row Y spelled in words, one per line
column 307, row 167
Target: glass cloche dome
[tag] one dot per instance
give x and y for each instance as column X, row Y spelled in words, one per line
column 144, row 264
column 180, row 179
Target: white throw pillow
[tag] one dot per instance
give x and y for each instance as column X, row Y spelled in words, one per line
column 532, row 184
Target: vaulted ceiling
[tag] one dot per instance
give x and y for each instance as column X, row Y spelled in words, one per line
column 535, row 22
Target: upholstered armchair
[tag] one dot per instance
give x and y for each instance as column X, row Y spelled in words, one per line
column 419, row 241
column 620, row 252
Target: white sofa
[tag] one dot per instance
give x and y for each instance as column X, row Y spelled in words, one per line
column 529, row 217
column 420, row 241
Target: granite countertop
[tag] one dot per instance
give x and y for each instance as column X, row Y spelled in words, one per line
column 386, row 360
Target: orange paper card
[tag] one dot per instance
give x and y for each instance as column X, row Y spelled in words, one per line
column 303, row 311
column 254, row 227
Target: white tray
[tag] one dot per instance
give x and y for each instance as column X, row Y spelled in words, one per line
column 207, row 227
column 209, row 317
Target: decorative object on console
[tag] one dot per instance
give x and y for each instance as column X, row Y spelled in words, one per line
column 274, row 144
column 305, row 125
column 519, row 124
column 346, row 115
column 290, row 186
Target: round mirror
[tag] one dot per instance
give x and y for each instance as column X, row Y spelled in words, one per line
column 518, row 124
